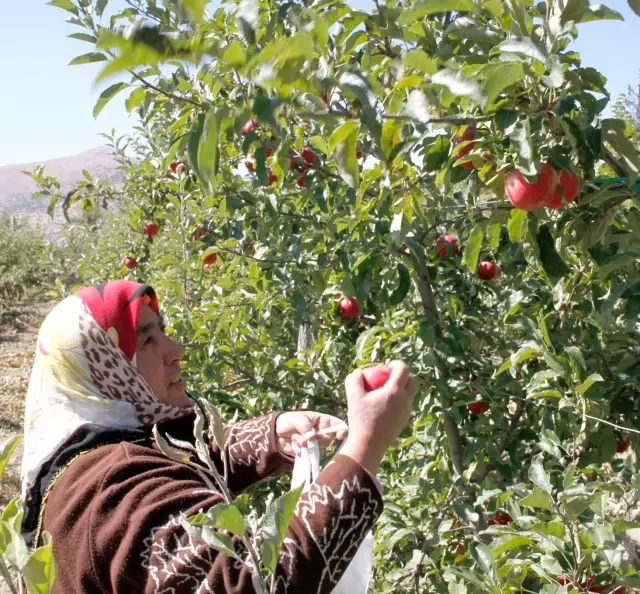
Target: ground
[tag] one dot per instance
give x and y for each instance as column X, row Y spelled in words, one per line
column 18, row 333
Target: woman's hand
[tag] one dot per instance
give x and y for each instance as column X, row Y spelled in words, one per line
column 295, row 428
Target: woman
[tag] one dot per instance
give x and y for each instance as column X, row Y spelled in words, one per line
column 105, row 373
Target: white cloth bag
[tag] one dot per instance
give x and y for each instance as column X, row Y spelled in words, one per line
column 356, row 578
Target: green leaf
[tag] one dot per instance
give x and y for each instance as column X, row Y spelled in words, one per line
column 247, row 19
column 83, row 37
column 208, row 157
column 100, row 6
column 404, row 284
column 220, row 542
column 517, row 219
column 586, row 384
column 483, row 555
column 425, row 7
column 216, row 427
column 499, row 76
column 576, row 354
column 553, row 265
column 521, row 140
column 473, row 247
column 6, row 451
column 39, row 572
column 194, row 8
column 88, row 58
column 235, row 54
column 274, row 527
column 194, row 142
column 65, row 5
column 524, row 46
column 365, row 342
column 508, row 542
column 421, row 60
column 228, row 517
column 458, row 84
column 539, row 476
column 106, row 96
column 343, row 143
column 600, row 12
column 635, row 6
column 538, row 498
column 136, row 97
column 574, row 10
column 615, row 263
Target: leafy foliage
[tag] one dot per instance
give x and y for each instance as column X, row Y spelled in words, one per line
column 382, row 100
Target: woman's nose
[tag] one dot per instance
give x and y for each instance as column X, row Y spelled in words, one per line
column 174, row 353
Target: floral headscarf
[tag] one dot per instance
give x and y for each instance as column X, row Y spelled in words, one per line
column 85, row 372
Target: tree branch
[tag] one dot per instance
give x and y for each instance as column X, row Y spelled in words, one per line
column 167, row 94
column 610, row 159
column 423, row 283
column 505, row 442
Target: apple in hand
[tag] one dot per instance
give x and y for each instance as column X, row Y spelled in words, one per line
column 375, row 377
column 529, row 196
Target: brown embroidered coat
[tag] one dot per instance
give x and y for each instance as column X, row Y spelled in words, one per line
column 114, row 517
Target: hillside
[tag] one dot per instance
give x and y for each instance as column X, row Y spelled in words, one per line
column 16, row 188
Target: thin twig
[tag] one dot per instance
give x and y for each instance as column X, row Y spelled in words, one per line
column 168, row 94
column 423, row 283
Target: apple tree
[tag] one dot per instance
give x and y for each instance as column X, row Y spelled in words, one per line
column 317, row 185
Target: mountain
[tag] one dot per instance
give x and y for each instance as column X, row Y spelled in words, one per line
column 16, row 188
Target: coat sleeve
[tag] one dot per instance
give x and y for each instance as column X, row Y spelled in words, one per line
column 135, row 524
column 253, row 453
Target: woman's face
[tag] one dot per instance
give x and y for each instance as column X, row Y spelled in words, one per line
column 158, row 359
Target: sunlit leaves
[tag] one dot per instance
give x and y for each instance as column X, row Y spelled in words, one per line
column 88, row 58
column 274, row 526
column 106, row 96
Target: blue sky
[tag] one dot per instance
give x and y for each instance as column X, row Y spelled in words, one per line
column 46, row 106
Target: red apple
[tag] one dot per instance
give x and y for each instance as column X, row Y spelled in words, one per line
column 268, row 152
column 531, row 196
column 309, row 156
column 358, row 155
column 130, row 262
column 623, row 446
column 469, row 134
column 250, row 126
column 209, row 260
column 272, row 177
column 199, row 233
column 501, row 518
column 620, row 590
column 349, row 308
column 478, row 408
column 292, row 165
column 150, row 229
column 375, row 377
column 176, row 165
column 447, row 245
column 564, row 580
column 302, row 180
column 488, row 271
column 250, row 163
column 568, row 188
